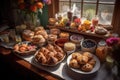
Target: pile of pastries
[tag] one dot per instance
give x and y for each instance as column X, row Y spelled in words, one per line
column 82, row 61
column 37, row 36
column 24, row 48
column 50, row 55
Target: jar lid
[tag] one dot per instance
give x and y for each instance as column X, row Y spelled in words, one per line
column 102, row 43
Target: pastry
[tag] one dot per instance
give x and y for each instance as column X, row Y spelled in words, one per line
column 64, row 35
column 83, row 60
column 40, row 28
column 92, row 61
column 100, row 30
column 27, row 35
column 87, row 67
column 52, row 60
column 88, row 54
column 52, row 21
column 59, row 55
column 52, row 38
column 74, row 64
column 38, row 39
column 41, row 31
column 75, row 55
column 54, row 31
column 69, row 46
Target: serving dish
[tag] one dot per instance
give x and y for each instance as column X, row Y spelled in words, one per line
column 24, row 48
column 95, row 68
column 47, row 57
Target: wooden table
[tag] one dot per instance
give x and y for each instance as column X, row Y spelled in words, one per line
column 18, row 63
column 28, row 70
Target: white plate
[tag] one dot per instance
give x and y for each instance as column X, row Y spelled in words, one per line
column 96, row 67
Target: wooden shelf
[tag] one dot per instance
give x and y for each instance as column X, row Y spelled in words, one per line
column 90, row 34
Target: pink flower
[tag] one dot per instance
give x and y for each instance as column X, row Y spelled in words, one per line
column 112, row 41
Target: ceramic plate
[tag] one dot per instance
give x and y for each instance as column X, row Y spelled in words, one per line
column 96, row 67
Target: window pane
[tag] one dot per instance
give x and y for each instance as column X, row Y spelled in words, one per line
column 63, row 6
column 76, row 0
column 107, row 1
column 77, row 11
column 90, row 0
column 105, row 14
column 89, row 10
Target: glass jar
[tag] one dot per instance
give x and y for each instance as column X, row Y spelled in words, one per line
column 95, row 21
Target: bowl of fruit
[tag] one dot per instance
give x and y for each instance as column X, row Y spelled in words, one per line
column 88, row 45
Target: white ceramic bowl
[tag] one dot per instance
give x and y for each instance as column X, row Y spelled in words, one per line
column 77, row 39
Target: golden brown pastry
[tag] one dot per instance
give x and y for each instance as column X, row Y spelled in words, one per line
column 51, row 54
column 75, row 55
column 27, row 35
column 52, row 21
column 41, row 58
column 16, row 47
column 84, row 60
column 59, row 56
column 38, row 28
column 50, row 47
column 38, row 39
column 88, row 54
column 92, row 62
column 54, row 31
column 64, row 35
column 74, row 63
column 87, row 67
column 52, row 38
column 44, row 50
column 52, row 60
column 58, row 49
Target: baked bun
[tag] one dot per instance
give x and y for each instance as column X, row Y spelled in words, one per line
column 92, row 62
column 38, row 39
column 87, row 67
column 74, row 63
column 52, row 21
column 64, row 35
column 38, row 28
column 83, row 60
column 88, row 54
column 100, row 30
column 75, row 55
column 27, row 35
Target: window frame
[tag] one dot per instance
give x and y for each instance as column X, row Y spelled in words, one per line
column 97, row 5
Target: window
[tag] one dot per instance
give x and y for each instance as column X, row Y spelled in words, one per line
column 89, row 8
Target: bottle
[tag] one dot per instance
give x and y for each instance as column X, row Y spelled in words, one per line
column 101, row 51
column 95, row 21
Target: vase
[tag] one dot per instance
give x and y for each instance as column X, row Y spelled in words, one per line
column 43, row 16
column 31, row 20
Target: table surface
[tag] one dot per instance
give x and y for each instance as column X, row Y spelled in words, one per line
column 104, row 72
